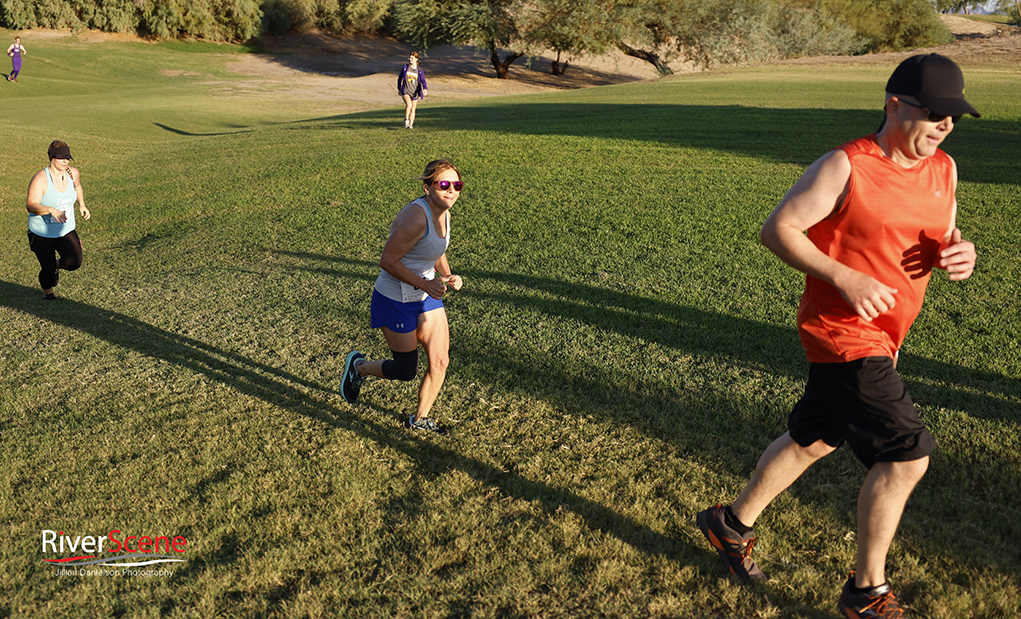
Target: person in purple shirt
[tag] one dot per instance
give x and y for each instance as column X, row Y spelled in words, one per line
column 411, row 86
column 15, row 51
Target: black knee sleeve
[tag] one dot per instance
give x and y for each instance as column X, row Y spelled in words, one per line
column 404, row 366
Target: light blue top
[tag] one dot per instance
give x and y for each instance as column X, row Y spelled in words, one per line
column 421, row 260
column 44, row 225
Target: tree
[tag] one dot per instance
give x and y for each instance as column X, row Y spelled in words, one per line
column 489, row 24
column 568, row 27
column 892, row 25
column 720, row 32
column 647, row 29
column 1010, row 8
column 956, row 6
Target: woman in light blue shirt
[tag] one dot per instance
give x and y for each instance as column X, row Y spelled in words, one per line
column 52, row 194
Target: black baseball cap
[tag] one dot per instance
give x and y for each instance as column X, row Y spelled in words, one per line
column 59, row 150
column 937, row 83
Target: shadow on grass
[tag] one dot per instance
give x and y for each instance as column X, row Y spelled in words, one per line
column 189, row 134
column 684, row 418
column 351, row 59
column 754, row 345
column 284, row 389
column 703, row 423
column 985, row 149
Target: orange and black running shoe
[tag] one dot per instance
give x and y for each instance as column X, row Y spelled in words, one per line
column 875, row 603
column 735, row 549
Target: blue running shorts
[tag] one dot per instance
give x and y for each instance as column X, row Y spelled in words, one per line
column 399, row 317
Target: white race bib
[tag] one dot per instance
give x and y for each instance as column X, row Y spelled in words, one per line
column 414, row 294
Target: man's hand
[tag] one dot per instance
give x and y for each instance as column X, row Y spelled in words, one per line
column 867, row 296
column 958, row 258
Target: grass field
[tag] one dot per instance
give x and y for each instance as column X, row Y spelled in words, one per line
column 622, row 351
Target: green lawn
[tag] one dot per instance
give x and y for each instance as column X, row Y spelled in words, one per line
column 622, row 351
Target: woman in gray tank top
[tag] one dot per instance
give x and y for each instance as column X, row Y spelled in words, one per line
column 407, row 298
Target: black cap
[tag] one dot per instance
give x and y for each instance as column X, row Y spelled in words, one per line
column 937, row 83
column 59, row 150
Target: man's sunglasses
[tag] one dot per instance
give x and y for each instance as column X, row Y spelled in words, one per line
column 933, row 116
column 445, row 185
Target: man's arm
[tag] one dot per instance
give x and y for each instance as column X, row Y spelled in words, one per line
column 957, row 256
column 818, row 194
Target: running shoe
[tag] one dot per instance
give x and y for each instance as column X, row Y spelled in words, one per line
column 735, row 549
column 426, row 424
column 351, row 383
column 49, row 297
column 875, row 603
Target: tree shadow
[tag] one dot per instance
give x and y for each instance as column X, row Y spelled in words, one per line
column 433, row 459
column 984, row 148
column 707, row 425
column 352, row 57
column 683, row 421
column 284, row 389
column 763, row 347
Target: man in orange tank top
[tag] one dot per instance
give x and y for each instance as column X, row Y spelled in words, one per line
column 880, row 214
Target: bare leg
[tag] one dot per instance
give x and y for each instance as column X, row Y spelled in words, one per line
column 780, row 465
column 880, row 506
column 409, row 110
column 434, row 333
column 411, row 118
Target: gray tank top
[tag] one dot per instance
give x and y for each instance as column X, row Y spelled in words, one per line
column 421, row 260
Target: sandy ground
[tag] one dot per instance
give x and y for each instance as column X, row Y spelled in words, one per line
column 370, row 66
column 361, row 71
column 978, row 43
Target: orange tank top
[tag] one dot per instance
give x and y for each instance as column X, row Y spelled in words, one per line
column 890, row 227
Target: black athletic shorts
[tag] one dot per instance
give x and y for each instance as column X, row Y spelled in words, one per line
column 864, row 403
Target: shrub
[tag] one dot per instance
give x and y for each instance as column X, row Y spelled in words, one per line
column 283, row 15
column 18, row 14
column 108, row 15
column 741, row 31
column 236, row 20
column 276, row 16
column 892, row 25
column 366, row 15
column 813, row 32
column 217, row 20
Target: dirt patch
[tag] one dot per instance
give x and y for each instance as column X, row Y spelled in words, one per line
column 977, row 44
column 176, row 73
column 371, row 64
column 969, row 53
column 966, row 29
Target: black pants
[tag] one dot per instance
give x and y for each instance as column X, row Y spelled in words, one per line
column 68, row 246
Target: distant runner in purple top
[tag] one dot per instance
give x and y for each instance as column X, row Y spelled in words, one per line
column 411, row 86
column 15, row 51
